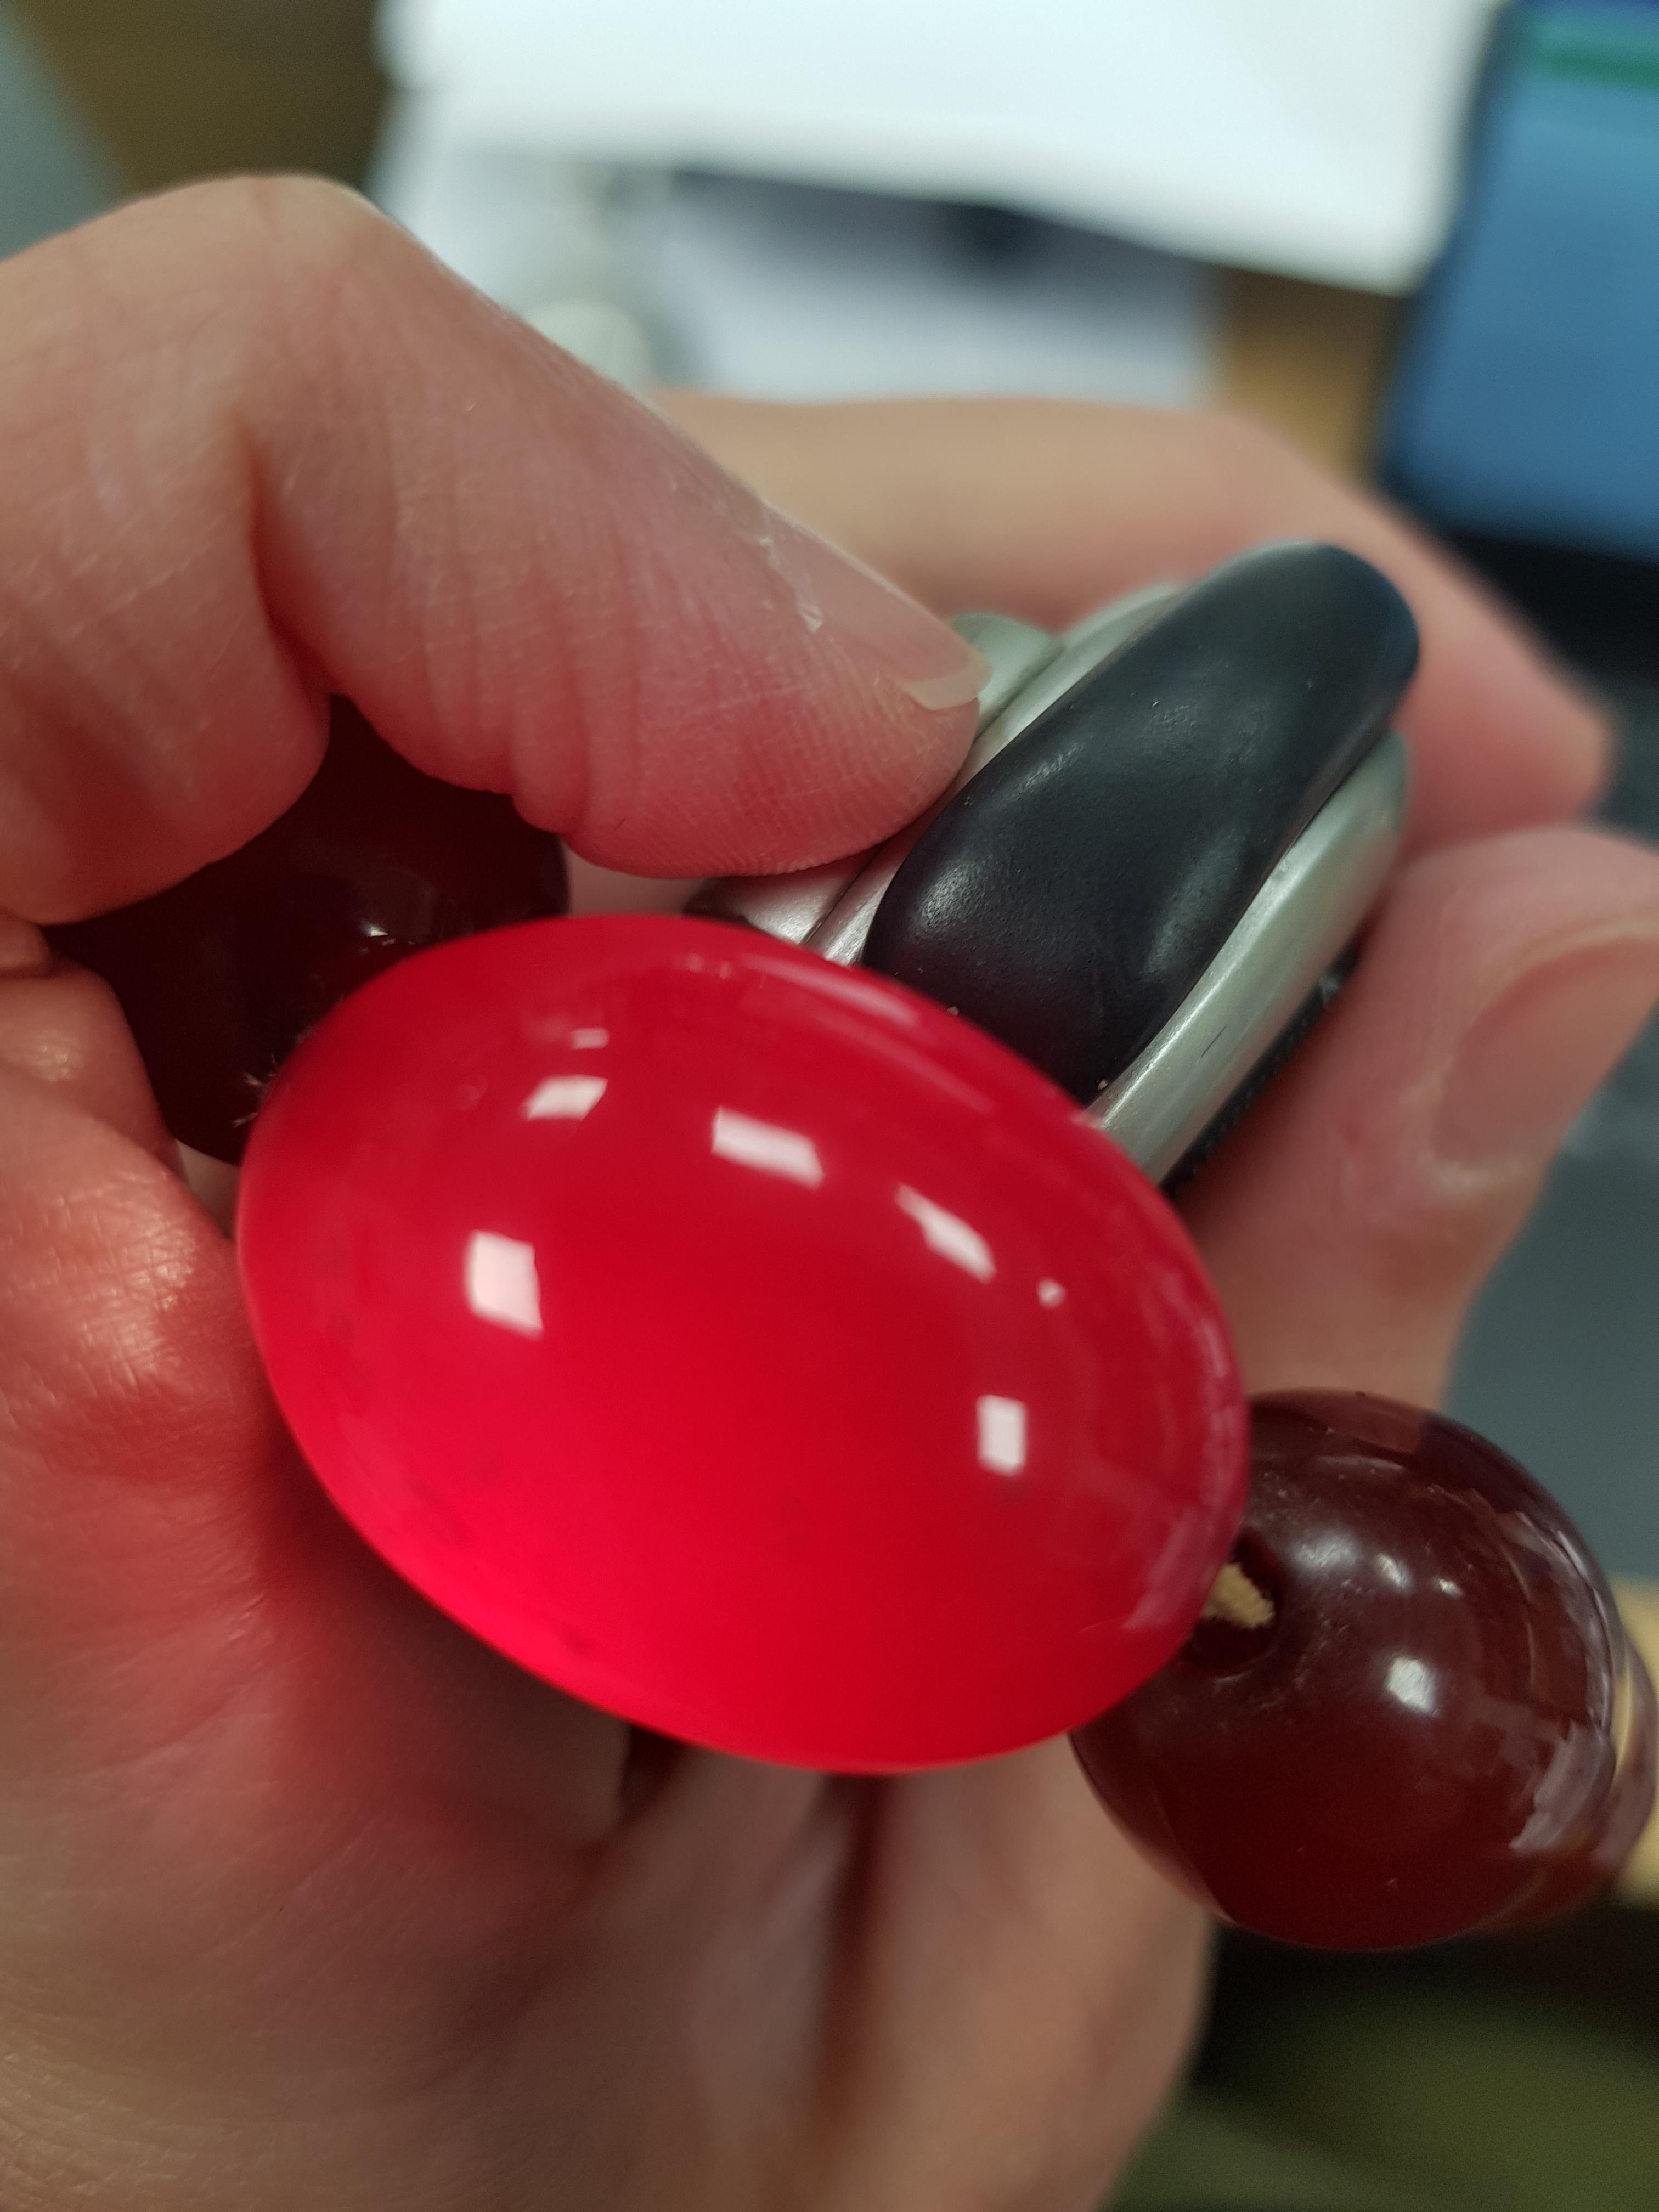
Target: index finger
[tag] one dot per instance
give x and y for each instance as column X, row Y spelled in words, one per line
column 1044, row 508
column 257, row 445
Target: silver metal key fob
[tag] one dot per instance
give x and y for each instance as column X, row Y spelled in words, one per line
column 1151, row 871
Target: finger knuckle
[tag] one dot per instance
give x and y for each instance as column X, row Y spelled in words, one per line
column 277, row 255
column 1249, row 456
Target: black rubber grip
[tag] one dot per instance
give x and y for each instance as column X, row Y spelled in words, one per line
column 1072, row 895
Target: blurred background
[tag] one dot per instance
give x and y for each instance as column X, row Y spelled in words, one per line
column 1421, row 239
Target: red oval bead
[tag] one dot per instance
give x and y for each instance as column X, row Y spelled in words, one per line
column 742, row 1343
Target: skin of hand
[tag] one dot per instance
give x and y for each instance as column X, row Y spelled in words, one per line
column 306, row 1897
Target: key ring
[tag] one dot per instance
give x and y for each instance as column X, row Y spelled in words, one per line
column 750, row 1330
column 1332, row 813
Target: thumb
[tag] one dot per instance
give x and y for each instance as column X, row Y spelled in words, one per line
column 257, row 445
column 1349, row 1222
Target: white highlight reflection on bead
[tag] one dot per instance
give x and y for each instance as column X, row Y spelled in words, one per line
column 1001, row 1435
column 564, row 1098
column 502, row 1283
column 784, row 1152
column 589, row 1040
column 1051, row 1293
column 952, row 1238
column 1411, row 1684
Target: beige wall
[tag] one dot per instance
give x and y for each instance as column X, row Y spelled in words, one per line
column 1310, row 360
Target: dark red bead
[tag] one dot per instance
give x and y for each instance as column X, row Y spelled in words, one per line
column 1431, row 1722
column 221, row 975
column 742, row 1343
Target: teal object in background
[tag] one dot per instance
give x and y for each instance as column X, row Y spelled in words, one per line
column 53, row 174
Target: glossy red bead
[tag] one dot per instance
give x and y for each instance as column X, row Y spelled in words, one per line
column 742, row 1343
column 221, row 974
column 1434, row 1724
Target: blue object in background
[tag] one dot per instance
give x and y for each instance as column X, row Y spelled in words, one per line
column 1525, row 403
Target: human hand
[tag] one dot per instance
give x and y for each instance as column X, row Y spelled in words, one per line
column 306, row 1897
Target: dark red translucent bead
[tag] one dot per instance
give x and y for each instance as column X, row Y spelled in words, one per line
column 1415, row 1714
column 221, row 974
column 742, row 1343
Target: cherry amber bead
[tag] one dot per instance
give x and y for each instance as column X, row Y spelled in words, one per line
column 742, row 1343
column 1418, row 1714
column 221, row 975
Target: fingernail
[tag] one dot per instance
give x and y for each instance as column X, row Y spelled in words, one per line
column 1530, row 1063
column 872, row 620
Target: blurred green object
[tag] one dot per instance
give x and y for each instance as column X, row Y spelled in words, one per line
column 1213, row 2154
column 181, row 88
column 1516, row 2075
